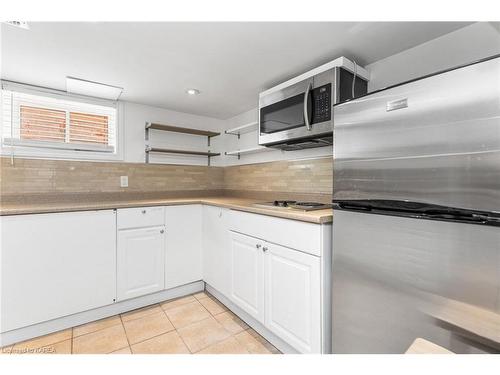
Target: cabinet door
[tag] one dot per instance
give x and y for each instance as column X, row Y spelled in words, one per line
column 216, row 249
column 141, row 262
column 247, row 277
column 292, row 297
column 54, row 265
column 183, row 257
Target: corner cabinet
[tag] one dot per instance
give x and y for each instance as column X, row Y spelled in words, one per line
column 54, row 265
column 216, row 250
column 184, row 255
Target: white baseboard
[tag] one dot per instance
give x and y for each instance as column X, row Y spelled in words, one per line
column 40, row 329
column 252, row 322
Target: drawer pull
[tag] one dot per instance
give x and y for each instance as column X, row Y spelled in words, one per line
column 162, row 231
column 143, row 211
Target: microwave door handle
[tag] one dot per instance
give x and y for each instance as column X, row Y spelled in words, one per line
column 306, row 114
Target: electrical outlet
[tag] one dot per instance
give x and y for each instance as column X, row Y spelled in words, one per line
column 123, row 181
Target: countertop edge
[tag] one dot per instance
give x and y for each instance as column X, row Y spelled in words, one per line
column 296, row 215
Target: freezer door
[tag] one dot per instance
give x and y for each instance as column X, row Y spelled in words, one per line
column 434, row 140
column 397, row 279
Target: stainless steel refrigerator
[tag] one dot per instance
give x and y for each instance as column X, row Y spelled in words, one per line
column 416, row 224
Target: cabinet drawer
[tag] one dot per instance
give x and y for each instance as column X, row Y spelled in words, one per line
column 140, row 217
column 298, row 235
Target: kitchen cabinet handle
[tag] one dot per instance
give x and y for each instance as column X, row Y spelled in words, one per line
column 162, row 231
column 258, row 246
column 143, row 211
column 264, row 249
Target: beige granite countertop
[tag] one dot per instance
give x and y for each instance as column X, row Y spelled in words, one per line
column 235, row 203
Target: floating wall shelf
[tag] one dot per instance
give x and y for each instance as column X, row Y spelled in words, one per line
column 242, row 129
column 178, row 129
column 252, row 150
column 184, row 152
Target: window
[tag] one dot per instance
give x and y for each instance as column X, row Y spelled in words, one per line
column 37, row 123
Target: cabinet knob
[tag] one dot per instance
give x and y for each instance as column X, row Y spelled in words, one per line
column 258, row 246
column 162, row 231
column 264, row 249
column 143, row 211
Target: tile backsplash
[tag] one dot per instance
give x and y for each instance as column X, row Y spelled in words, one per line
column 299, row 176
column 37, row 176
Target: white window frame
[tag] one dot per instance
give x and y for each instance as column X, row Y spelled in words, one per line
column 66, row 151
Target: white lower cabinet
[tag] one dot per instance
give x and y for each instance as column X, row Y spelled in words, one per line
column 216, row 248
column 54, row 265
column 280, row 287
column 140, row 262
column 247, row 274
column 184, row 253
column 293, row 297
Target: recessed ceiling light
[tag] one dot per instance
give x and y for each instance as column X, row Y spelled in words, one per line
column 95, row 89
column 192, row 91
column 20, row 24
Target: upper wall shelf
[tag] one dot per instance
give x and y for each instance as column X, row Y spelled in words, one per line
column 252, row 150
column 178, row 129
column 242, row 129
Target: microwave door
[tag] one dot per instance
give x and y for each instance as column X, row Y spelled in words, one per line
column 283, row 115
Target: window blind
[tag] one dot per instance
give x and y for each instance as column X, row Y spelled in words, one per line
column 42, row 121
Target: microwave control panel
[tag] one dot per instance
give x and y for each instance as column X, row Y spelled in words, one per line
column 322, row 103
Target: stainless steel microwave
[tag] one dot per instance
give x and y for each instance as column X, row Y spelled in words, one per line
column 297, row 114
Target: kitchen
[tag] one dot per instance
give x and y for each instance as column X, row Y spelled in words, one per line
column 161, row 194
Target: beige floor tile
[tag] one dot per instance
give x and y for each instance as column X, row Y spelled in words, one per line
column 227, row 346
column 262, row 340
column 184, row 315
column 96, row 325
column 202, row 334
column 231, row 322
column 168, row 343
column 177, row 302
column 200, row 295
column 146, row 327
column 139, row 313
column 122, row 351
column 106, row 340
column 6, row 349
column 43, row 341
column 213, row 306
column 253, row 344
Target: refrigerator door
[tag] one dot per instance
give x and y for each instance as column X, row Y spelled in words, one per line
column 435, row 140
column 397, row 279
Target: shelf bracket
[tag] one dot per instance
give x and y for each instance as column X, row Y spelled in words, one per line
column 146, row 140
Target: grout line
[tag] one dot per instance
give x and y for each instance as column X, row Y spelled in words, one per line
column 124, row 330
column 184, row 342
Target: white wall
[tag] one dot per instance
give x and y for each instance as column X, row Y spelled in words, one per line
column 479, row 40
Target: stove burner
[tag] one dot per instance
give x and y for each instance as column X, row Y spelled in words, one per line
column 310, row 204
column 283, row 203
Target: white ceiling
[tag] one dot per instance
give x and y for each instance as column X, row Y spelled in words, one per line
column 230, row 63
